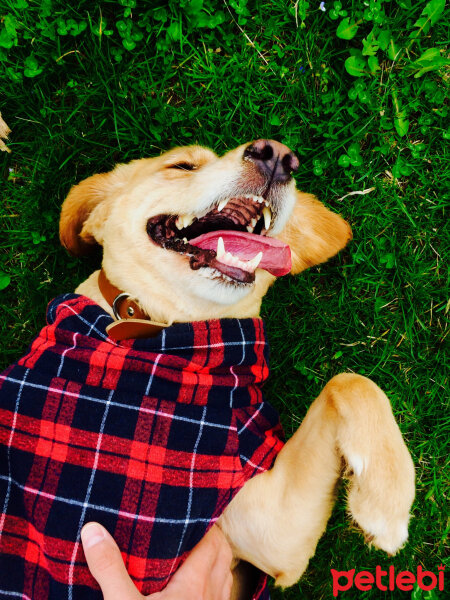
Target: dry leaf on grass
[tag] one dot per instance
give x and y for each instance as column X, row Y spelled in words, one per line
column 4, row 132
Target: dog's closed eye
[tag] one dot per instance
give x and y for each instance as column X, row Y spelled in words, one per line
column 183, row 166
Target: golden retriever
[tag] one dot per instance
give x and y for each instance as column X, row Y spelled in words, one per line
column 191, row 236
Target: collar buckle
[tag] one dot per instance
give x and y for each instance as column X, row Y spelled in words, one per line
column 131, row 321
column 116, row 302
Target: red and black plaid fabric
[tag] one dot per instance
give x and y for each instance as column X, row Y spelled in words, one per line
column 152, row 438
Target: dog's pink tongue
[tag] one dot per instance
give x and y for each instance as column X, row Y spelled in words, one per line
column 276, row 256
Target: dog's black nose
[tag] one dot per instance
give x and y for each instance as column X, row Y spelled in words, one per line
column 274, row 160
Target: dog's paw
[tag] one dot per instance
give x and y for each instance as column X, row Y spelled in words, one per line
column 381, row 494
column 381, row 471
column 382, row 531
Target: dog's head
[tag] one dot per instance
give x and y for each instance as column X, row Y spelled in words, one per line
column 191, row 235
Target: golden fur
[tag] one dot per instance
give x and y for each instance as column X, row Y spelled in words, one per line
column 276, row 520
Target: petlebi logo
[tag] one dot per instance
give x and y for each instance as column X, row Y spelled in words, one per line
column 388, row 580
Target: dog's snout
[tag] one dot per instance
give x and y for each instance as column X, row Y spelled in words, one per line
column 274, row 160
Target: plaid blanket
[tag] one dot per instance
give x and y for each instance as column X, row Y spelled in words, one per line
column 152, row 438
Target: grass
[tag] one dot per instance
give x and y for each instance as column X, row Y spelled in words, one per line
column 79, row 98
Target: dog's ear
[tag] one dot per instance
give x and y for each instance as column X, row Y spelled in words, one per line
column 313, row 233
column 84, row 213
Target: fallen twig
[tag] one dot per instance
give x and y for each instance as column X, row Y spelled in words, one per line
column 367, row 191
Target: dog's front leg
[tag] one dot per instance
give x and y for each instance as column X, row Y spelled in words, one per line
column 278, row 517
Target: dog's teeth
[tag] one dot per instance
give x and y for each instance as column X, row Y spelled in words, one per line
column 229, row 259
column 267, row 217
column 220, row 252
column 234, row 261
column 251, row 227
column 254, row 262
column 185, row 240
column 184, row 221
column 222, row 204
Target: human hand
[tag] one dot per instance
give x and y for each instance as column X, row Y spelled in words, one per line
column 204, row 575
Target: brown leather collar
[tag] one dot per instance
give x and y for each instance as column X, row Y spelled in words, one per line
column 123, row 306
column 132, row 322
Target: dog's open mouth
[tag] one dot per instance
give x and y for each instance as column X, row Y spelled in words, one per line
column 231, row 239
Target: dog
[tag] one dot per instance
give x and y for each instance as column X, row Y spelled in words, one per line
column 139, row 405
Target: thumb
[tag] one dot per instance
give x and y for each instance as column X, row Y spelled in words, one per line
column 106, row 564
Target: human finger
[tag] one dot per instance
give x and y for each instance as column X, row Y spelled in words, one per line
column 205, row 574
column 106, row 564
